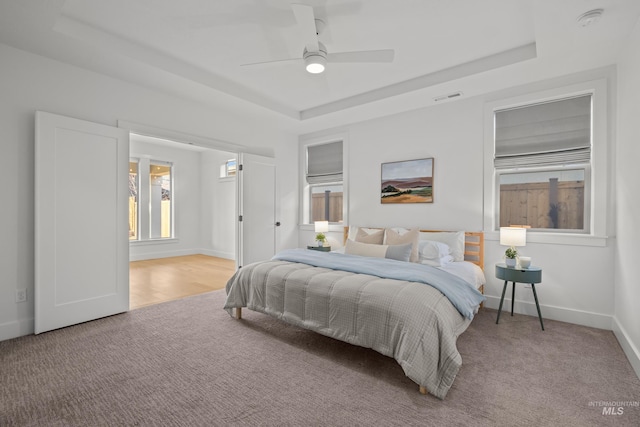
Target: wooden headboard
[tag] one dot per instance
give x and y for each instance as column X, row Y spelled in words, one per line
column 473, row 245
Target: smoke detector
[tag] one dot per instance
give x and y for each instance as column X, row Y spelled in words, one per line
column 590, row 17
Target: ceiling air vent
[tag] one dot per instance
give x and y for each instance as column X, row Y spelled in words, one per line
column 445, row 97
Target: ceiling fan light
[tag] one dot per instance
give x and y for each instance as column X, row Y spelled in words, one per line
column 315, row 64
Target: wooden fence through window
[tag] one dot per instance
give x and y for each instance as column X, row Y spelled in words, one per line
column 543, row 205
column 318, row 207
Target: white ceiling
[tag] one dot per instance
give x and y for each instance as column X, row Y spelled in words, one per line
column 195, row 48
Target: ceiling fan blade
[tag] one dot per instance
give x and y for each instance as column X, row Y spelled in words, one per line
column 307, row 25
column 276, row 61
column 383, row 55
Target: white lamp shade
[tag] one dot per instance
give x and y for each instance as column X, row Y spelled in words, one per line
column 321, row 226
column 513, row 236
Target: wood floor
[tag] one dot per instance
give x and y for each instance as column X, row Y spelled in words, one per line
column 165, row 279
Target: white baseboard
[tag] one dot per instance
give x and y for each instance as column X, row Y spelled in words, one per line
column 218, row 254
column 17, row 328
column 578, row 317
column 630, row 350
column 182, row 252
column 163, row 254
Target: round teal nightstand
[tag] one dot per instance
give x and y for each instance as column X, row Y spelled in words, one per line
column 530, row 275
column 320, row 248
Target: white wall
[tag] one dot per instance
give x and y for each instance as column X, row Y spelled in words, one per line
column 186, row 199
column 218, row 215
column 443, row 133
column 627, row 282
column 30, row 82
column 577, row 279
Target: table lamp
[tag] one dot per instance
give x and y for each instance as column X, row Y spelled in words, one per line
column 321, row 227
column 512, row 237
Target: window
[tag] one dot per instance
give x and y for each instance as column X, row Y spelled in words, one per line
column 151, row 200
column 324, row 183
column 133, row 200
column 160, row 200
column 543, row 164
column 228, row 168
column 326, row 203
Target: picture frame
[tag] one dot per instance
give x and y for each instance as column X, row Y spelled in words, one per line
column 407, row 181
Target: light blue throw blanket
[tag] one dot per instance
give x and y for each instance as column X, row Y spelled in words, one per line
column 461, row 294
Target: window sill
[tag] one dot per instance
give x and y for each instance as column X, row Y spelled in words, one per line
column 556, row 238
column 227, row 178
column 332, row 227
column 153, row 242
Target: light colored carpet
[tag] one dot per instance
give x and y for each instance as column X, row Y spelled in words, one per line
column 187, row 363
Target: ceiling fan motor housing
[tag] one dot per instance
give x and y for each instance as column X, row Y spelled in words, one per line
column 315, row 62
column 322, row 51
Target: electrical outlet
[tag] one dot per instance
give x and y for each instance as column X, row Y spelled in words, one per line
column 21, row 295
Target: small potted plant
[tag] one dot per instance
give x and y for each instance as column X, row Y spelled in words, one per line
column 510, row 256
column 321, row 238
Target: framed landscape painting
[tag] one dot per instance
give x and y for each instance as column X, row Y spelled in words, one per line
column 410, row 181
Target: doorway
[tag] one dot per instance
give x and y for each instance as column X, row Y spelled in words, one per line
column 82, row 255
column 182, row 204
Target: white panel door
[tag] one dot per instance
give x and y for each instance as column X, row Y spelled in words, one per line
column 81, row 223
column 257, row 208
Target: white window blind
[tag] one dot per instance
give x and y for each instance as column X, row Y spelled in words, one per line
column 550, row 133
column 324, row 163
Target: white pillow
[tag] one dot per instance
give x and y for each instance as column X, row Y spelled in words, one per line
column 455, row 240
column 438, row 262
column 429, row 249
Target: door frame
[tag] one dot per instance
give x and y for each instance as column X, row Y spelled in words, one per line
column 210, row 143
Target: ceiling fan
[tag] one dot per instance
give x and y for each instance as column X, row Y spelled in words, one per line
column 315, row 55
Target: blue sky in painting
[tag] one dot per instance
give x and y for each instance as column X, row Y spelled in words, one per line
column 408, row 169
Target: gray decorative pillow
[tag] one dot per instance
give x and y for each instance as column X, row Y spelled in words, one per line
column 399, row 252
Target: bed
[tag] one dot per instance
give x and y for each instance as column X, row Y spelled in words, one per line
column 396, row 304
